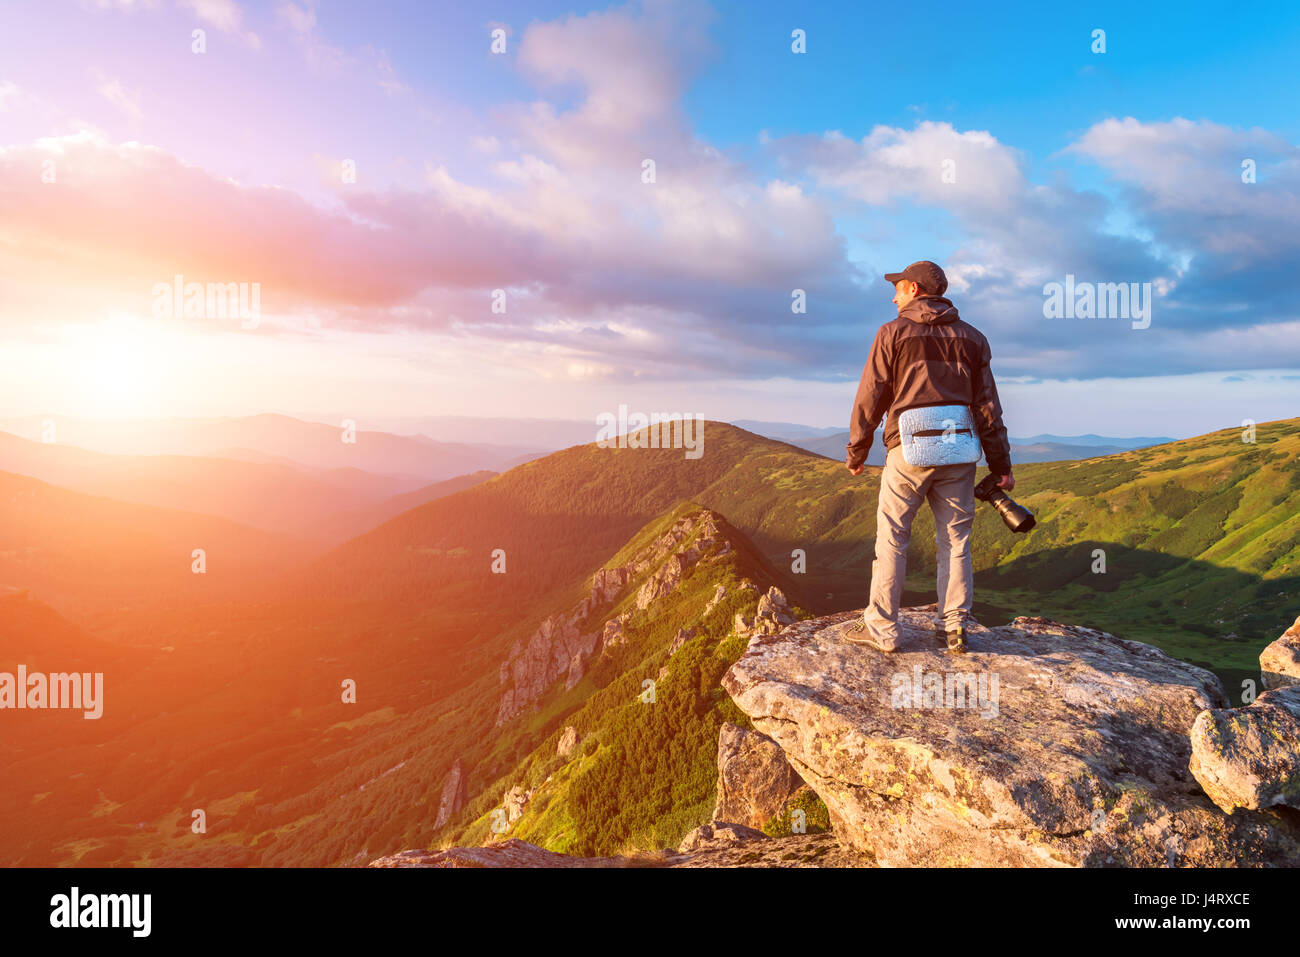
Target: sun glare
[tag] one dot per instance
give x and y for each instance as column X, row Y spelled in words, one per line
column 122, row 365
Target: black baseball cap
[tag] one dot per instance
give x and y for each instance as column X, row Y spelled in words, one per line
column 925, row 274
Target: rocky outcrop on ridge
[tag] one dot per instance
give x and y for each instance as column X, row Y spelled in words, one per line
column 514, row 802
column 718, row 834
column 1279, row 663
column 1045, row 745
column 1250, row 757
column 568, row 741
column 683, row 635
column 754, row 779
column 772, row 614
column 453, row 794
column 564, row 642
column 558, row 649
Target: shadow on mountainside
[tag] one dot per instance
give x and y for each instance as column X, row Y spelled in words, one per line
column 1216, row 617
column 1213, row 616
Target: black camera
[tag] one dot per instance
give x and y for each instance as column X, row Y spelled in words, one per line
column 1017, row 517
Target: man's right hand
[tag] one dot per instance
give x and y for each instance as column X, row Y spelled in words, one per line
column 1007, row 482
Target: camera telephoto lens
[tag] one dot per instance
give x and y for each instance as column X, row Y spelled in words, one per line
column 1017, row 517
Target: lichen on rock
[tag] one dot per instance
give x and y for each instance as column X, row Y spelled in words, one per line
column 1077, row 756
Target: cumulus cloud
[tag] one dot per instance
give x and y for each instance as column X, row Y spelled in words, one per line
column 222, row 14
column 708, row 252
column 607, row 274
column 1183, row 183
column 1215, row 250
column 126, row 216
column 691, row 271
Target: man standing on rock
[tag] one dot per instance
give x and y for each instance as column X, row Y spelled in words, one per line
column 929, row 371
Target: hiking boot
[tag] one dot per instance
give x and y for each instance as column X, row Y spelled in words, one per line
column 957, row 640
column 857, row 634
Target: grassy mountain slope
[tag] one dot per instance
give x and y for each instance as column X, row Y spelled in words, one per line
column 1022, row 450
column 1201, row 540
column 556, row 519
column 555, row 516
column 643, row 772
column 81, row 552
column 239, row 714
column 235, row 710
column 359, row 521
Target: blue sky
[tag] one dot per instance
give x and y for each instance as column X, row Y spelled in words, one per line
column 521, row 171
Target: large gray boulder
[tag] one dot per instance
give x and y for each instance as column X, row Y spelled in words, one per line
column 1279, row 663
column 1045, row 745
column 565, row 641
column 718, row 834
column 754, row 779
column 1250, row 757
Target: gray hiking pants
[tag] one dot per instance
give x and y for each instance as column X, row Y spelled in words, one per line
column 950, row 490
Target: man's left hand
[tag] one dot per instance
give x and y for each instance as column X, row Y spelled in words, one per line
column 852, row 470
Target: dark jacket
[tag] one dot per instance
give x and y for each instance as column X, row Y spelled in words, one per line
column 928, row 356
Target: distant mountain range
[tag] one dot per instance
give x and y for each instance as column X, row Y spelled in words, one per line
column 433, row 448
column 1138, row 442
column 1038, row 448
column 537, row 435
column 278, row 439
column 324, row 505
column 786, row 431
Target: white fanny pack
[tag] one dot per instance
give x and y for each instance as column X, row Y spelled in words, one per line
column 938, row 435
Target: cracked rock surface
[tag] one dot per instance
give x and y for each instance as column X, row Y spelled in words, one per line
column 1045, row 745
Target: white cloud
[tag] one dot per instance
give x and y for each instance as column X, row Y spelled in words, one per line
column 300, row 20
column 225, row 15
column 10, row 96
column 127, row 101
